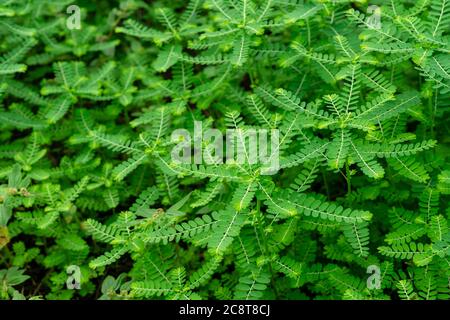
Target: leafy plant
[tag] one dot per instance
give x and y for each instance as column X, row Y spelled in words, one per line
column 88, row 178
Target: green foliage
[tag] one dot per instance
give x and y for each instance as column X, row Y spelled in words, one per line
column 87, row 177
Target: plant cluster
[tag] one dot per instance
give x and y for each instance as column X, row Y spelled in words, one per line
column 87, row 181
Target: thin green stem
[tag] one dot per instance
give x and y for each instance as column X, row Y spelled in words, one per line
column 348, row 177
column 266, row 247
column 325, row 182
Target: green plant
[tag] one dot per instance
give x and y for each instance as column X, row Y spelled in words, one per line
column 87, row 176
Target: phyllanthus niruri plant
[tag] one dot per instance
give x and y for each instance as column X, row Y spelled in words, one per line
column 224, row 149
column 242, row 146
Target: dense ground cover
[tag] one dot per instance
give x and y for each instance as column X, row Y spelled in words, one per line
column 354, row 97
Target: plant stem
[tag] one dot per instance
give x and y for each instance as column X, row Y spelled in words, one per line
column 266, row 247
column 325, row 182
column 348, row 177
